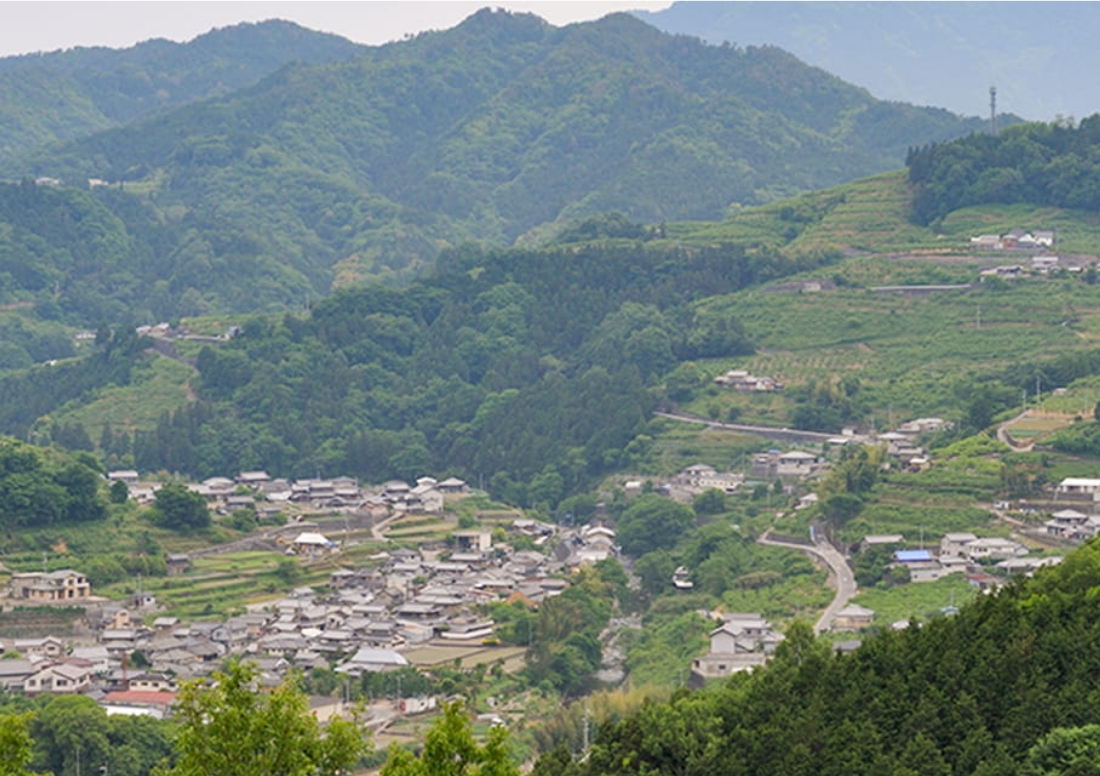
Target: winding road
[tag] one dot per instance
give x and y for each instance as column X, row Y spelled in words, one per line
column 1004, row 436
column 840, row 573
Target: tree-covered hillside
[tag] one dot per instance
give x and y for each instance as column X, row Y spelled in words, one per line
column 92, row 257
column 380, row 383
column 1043, row 164
column 368, row 167
column 69, row 94
column 1008, row 686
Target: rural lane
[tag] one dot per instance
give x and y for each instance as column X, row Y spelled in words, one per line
column 841, row 574
column 768, row 432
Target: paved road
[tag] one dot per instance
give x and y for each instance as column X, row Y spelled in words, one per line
column 841, row 574
column 768, row 432
column 1003, row 436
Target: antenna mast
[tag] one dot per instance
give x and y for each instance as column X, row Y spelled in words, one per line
column 993, row 110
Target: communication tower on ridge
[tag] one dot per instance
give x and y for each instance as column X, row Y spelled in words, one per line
column 993, row 110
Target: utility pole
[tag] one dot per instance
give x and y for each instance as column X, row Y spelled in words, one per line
column 584, row 751
column 993, row 110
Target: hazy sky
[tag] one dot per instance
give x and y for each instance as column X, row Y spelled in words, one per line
column 48, row 26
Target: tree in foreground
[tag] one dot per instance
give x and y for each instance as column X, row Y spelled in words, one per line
column 232, row 728
column 16, row 746
column 450, row 750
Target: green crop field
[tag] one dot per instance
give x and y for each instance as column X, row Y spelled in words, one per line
column 908, row 352
column 920, row 601
column 162, row 386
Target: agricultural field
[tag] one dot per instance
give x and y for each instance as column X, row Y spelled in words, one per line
column 163, row 385
column 872, row 216
column 677, row 445
column 907, row 352
column 418, row 529
column 920, row 601
column 1030, row 427
column 866, row 215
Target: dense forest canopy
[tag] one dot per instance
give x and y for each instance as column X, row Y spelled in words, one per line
column 384, row 383
column 381, row 383
column 63, row 95
column 43, row 487
column 1041, row 164
column 494, row 131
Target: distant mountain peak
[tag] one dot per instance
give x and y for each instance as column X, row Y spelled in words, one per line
column 501, row 20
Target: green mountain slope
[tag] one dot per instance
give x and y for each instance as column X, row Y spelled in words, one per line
column 68, row 94
column 381, row 382
column 487, row 131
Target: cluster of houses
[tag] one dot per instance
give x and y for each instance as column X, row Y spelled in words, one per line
column 1079, row 521
column 363, row 622
column 702, row 477
column 270, row 496
column 901, row 447
column 961, row 552
column 741, row 642
column 1039, row 265
column 1017, row 239
column 958, row 552
column 740, row 380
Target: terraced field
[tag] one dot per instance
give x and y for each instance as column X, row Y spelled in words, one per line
column 907, row 352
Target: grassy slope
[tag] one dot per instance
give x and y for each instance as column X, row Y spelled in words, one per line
column 907, row 352
column 162, row 386
column 871, row 215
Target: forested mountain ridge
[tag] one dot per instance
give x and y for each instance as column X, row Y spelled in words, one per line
column 500, row 126
column 68, row 94
column 383, row 382
column 1042, row 164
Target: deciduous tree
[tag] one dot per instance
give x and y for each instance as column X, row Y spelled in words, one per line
column 16, row 746
column 450, row 750
column 231, row 728
column 178, row 508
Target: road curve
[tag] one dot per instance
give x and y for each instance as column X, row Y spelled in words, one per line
column 841, row 574
column 1004, row 436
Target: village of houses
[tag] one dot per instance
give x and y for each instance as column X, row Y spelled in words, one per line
column 365, row 619
column 373, row 619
